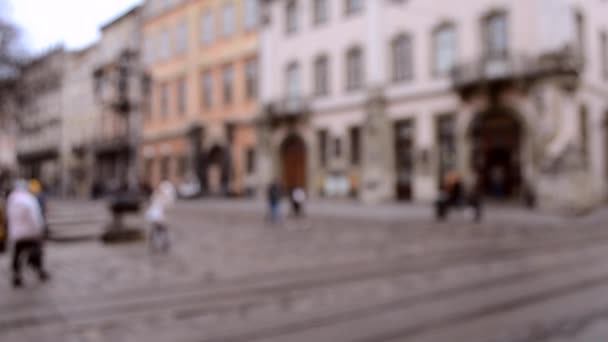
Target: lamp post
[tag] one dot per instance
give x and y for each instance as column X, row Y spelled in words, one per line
column 117, row 88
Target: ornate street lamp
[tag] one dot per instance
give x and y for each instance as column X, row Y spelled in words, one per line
column 115, row 90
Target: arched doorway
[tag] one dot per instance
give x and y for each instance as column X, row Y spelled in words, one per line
column 218, row 171
column 293, row 162
column 497, row 148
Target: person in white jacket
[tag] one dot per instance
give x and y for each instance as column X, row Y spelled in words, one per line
column 26, row 231
column 163, row 197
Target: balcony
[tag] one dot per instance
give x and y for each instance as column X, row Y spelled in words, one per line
column 111, row 144
column 289, row 107
column 516, row 67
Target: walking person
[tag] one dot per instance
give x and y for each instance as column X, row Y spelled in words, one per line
column 274, row 200
column 26, row 230
column 162, row 198
column 298, row 197
column 3, row 230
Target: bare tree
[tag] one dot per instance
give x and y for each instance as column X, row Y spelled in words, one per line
column 11, row 61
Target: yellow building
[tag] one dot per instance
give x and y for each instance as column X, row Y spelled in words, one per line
column 201, row 56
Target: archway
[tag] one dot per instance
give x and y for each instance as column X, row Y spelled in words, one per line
column 496, row 136
column 293, row 162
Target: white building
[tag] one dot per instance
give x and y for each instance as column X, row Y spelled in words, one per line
column 380, row 98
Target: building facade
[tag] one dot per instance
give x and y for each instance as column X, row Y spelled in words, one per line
column 80, row 121
column 40, row 111
column 8, row 129
column 201, row 56
column 380, row 99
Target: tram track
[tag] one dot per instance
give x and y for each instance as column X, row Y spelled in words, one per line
column 205, row 300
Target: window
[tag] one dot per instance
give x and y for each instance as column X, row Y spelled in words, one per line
column 291, row 16
column 580, row 32
column 207, row 88
column 148, row 167
column 181, row 96
column 496, row 41
column 182, row 166
column 181, row 38
column 604, row 53
column 250, row 160
column 447, row 144
column 337, row 148
column 149, row 50
column 354, row 69
column 402, row 61
column 164, row 100
column 251, row 14
column 584, row 133
column 444, row 43
column 320, row 12
column 227, row 80
column 353, row 6
column 322, row 136
column 207, row 28
column 251, row 79
column 321, row 76
column 293, row 80
column 355, row 145
column 164, row 168
column 165, row 45
column 228, row 20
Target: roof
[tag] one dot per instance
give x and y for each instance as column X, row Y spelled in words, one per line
column 121, row 17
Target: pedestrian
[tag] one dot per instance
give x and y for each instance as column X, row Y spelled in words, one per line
column 37, row 190
column 3, row 230
column 26, row 230
column 162, row 198
column 298, row 197
column 274, row 200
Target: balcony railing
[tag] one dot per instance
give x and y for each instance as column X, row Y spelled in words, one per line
column 515, row 67
column 110, row 143
column 290, row 106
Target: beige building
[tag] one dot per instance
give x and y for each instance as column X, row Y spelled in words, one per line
column 95, row 144
column 38, row 142
column 80, row 121
column 201, row 56
column 379, row 99
column 8, row 129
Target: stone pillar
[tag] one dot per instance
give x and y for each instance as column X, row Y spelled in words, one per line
column 377, row 162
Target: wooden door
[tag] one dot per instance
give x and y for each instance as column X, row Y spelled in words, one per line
column 293, row 157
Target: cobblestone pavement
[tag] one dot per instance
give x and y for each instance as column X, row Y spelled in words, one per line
column 344, row 273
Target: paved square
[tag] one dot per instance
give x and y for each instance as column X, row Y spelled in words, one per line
column 345, row 272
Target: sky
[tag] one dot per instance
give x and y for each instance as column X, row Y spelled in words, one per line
column 75, row 23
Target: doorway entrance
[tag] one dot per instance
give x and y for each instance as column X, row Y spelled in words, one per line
column 496, row 136
column 218, row 171
column 293, row 162
column 404, row 158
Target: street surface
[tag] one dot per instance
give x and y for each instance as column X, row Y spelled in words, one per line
column 346, row 272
